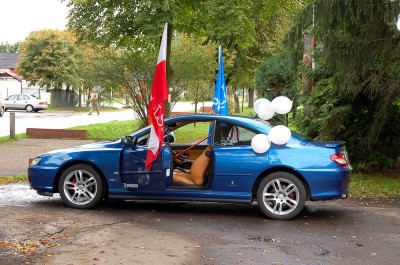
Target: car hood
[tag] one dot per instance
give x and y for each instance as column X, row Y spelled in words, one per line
column 86, row 147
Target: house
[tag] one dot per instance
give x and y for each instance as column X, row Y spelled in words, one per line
column 10, row 81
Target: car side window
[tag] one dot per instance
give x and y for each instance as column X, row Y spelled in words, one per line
column 13, row 97
column 232, row 134
column 143, row 140
column 193, row 133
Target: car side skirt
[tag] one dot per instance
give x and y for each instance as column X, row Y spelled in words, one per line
column 242, row 201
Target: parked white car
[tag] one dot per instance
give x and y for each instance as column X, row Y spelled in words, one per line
column 2, row 106
column 25, row 102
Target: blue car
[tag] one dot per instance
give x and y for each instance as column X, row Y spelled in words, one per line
column 211, row 160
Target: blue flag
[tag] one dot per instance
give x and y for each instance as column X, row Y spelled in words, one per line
column 220, row 105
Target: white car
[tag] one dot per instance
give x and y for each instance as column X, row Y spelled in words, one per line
column 2, row 106
column 25, row 102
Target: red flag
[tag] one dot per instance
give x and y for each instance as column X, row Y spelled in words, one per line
column 159, row 93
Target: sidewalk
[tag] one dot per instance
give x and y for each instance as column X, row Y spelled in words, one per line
column 14, row 156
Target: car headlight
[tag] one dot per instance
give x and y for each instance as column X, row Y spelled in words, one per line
column 35, row 161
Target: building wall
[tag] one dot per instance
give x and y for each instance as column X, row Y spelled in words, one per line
column 9, row 86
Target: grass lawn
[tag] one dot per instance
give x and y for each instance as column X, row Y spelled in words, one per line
column 20, row 136
column 109, row 130
column 363, row 185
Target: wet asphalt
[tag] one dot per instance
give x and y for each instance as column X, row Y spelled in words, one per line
column 154, row 232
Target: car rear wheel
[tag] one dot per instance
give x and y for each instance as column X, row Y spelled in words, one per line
column 1, row 111
column 281, row 196
column 29, row 108
column 81, row 187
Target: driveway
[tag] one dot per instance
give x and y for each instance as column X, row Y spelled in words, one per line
column 41, row 230
column 14, row 156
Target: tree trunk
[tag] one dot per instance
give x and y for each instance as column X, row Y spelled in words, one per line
column 196, row 98
column 80, row 97
column 251, row 98
column 236, row 99
column 242, row 98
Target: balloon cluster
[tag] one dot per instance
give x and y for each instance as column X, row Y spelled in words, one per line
column 279, row 134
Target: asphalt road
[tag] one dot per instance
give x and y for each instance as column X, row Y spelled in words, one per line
column 41, row 230
column 60, row 120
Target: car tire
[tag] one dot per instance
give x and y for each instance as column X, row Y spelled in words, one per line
column 81, row 187
column 2, row 110
column 281, row 196
column 29, row 108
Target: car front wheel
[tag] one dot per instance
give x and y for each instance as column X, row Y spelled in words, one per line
column 1, row 111
column 281, row 196
column 81, row 187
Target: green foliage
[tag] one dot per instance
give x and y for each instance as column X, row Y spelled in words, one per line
column 357, row 75
column 7, row 47
column 48, row 58
column 323, row 113
column 193, row 65
column 275, row 77
column 248, row 31
column 130, row 71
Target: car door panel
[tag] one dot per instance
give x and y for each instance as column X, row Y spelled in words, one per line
column 134, row 174
column 232, row 176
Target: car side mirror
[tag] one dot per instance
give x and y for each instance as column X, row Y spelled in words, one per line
column 129, row 140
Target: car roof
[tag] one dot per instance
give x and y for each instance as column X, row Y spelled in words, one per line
column 250, row 122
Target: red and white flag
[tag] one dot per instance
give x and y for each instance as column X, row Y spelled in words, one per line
column 155, row 112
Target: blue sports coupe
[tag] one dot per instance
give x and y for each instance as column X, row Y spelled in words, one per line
column 211, row 160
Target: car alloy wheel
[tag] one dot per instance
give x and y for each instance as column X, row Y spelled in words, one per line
column 29, row 108
column 281, row 196
column 80, row 186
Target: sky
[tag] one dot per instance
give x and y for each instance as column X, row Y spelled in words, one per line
column 19, row 17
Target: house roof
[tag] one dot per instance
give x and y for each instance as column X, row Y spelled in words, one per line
column 12, row 73
column 8, row 60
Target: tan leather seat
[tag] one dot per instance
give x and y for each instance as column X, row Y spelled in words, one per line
column 197, row 172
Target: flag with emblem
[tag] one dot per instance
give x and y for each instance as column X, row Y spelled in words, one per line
column 155, row 111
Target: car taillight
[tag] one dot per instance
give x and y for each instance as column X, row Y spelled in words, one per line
column 340, row 159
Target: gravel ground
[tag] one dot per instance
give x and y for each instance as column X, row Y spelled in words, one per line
column 14, row 156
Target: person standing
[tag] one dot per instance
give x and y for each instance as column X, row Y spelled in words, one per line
column 94, row 101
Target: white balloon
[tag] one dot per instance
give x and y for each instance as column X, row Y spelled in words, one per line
column 281, row 104
column 260, row 143
column 267, row 114
column 279, row 134
column 257, row 104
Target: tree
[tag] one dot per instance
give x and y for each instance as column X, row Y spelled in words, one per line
column 358, row 68
column 48, row 58
column 245, row 29
column 131, row 71
column 275, row 77
column 7, row 47
column 193, row 65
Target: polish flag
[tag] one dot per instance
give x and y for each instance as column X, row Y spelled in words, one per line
column 155, row 111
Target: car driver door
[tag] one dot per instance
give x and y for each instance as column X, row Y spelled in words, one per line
column 134, row 174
